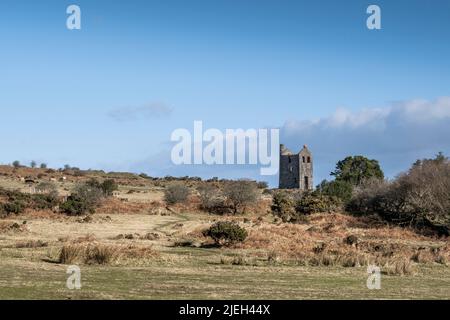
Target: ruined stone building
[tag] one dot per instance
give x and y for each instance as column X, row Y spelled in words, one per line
column 296, row 169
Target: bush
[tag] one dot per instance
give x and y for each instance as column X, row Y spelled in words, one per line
column 84, row 199
column 226, row 233
column 337, row 188
column 75, row 206
column 14, row 207
column 109, row 186
column 210, row 198
column 283, row 206
column 419, row 197
column 45, row 201
column 262, row 185
column 240, row 194
column 316, row 203
column 46, row 187
column 176, row 193
column 17, row 201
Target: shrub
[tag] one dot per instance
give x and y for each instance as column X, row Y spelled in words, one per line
column 109, row 186
column 240, row 194
column 43, row 166
column 46, row 187
column 84, row 199
column 420, row 197
column 14, row 207
column 210, row 198
column 75, row 206
column 45, row 201
column 176, row 193
column 316, row 203
column 337, row 188
column 283, row 206
column 226, row 233
column 16, row 164
column 262, row 185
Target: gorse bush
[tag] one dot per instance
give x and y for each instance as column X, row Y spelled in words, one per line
column 176, row 193
column 316, row 203
column 283, row 206
column 14, row 207
column 226, row 233
column 45, row 201
column 17, row 202
column 293, row 206
column 76, row 205
column 338, row 188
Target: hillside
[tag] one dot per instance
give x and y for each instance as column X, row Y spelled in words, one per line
column 137, row 246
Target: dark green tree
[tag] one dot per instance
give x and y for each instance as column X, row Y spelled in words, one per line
column 357, row 169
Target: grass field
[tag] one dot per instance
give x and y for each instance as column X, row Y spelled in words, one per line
column 186, row 272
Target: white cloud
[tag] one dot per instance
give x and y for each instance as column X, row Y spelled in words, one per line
column 152, row 110
column 396, row 135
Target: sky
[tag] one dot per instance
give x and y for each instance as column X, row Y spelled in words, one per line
column 109, row 96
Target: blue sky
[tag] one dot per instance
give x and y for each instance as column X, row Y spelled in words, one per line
column 312, row 69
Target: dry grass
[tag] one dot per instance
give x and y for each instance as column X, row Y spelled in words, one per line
column 31, row 244
column 99, row 253
column 115, row 206
column 322, row 242
column 399, row 267
column 12, row 227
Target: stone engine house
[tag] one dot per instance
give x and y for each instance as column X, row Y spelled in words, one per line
column 296, row 170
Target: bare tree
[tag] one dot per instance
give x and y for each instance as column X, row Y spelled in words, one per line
column 240, row 194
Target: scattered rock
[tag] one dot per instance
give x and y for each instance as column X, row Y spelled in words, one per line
column 320, row 248
column 150, row 236
column 351, row 240
column 87, row 219
column 183, row 243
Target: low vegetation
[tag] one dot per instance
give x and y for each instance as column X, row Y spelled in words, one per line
column 176, row 193
column 419, row 197
column 225, row 233
column 103, row 254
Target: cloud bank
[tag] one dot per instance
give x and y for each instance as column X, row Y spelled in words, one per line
column 395, row 135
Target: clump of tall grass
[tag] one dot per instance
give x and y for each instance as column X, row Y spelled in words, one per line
column 103, row 254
